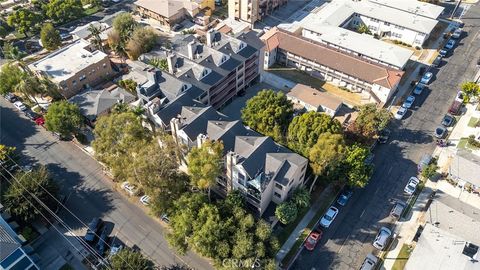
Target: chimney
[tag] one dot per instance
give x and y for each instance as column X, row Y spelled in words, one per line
column 210, row 37
column 192, row 47
column 171, row 61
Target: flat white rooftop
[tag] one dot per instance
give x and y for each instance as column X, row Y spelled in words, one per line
column 67, row 61
column 337, row 12
column 363, row 44
column 415, row 7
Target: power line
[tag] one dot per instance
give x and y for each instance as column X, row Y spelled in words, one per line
column 57, row 218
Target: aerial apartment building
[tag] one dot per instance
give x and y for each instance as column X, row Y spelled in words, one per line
column 251, row 11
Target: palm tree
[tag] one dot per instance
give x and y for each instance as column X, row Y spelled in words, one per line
column 363, row 29
column 29, row 86
column 95, row 32
column 161, row 64
column 51, row 89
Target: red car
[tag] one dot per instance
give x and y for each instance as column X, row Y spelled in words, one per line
column 312, row 240
column 40, row 121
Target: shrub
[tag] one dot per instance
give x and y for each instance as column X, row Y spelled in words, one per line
column 286, row 212
column 472, row 141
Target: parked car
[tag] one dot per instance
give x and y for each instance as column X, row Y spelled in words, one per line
column 40, row 121
column 11, row 97
column 31, row 115
column 443, row 52
column 426, row 78
column 450, row 44
column 92, row 230
column 114, row 250
column 129, row 188
column 397, row 209
column 460, row 96
column 312, row 240
column 411, row 185
column 369, row 262
column 19, row 105
column 457, row 33
column 418, row 89
column 447, row 120
column 455, row 108
column 329, row 217
column 440, row 132
column 145, row 199
column 343, row 198
column 437, row 61
column 102, row 241
column 177, row 27
column 408, row 102
column 165, row 218
column 400, row 113
column 382, row 238
column 424, row 161
column 384, row 136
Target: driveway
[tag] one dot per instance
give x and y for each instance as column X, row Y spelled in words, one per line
column 349, row 240
column 90, row 193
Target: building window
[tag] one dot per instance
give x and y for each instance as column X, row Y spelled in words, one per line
column 399, row 27
column 386, row 23
column 74, row 82
column 276, row 194
column 374, row 20
column 277, row 185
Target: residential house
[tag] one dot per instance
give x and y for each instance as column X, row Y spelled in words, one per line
column 311, row 99
column 373, row 81
column 94, row 103
column 251, row 11
column 74, row 67
column 465, row 168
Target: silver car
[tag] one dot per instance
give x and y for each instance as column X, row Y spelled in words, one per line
column 382, row 238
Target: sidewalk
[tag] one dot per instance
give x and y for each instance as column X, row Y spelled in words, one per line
column 325, row 197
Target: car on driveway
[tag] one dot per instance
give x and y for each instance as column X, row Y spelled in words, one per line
column 400, row 113
column 11, row 97
column 408, row 102
column 447, row 120
column 450, row 44
column 411, row 185
column 329, row 217
column 19, row 105
column 426, row 78
column 145, row 200
column 384, row 135
column 129, row 188
column 312, row 240
column 440, row 132
column 343, row 198
column 381, row 240
column 418, row 89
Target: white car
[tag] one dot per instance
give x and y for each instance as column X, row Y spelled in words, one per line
column 329, row 216
column 408, row 102
column 426, row 78
column 382, row 238
column 459, row 96
column 411, row 185
column 457, row 33
column 145, row 200
column 20, row 106
column 400, row 113
column 129, row 188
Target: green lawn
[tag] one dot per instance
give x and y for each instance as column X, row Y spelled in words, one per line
column 92, row 10
column 402, row 258
column 473, row 122
column 462, row 144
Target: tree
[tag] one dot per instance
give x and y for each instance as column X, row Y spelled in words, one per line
column 286, row 212
column 20, row 197
column 304, row 130
column 12, row 52
column 301, row 197
column 64, row 118
column 129, row 85
column 159, row 63
column 6, row 152
column 115, row 134
column 470, row 90
column 205, row 164
column 430, row 171
column 50, row 37
column 29, row 87
column 207, row 231
column 176, row 266
column 363, row 29
column 328, row 150
column 10, row 76
column 63, row 11
column 115, row 43
column 124, row 24
column 268, row 113
column 95, row 31
column 371, row 119
column 130, row 259
column 24, row 20
column 357, row 171
column 3, row 31
column 142, row 40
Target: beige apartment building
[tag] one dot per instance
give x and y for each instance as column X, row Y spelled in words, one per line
column 74, row 67
column 252, row 10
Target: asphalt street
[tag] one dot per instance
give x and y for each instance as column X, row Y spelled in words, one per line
column 90, row 193
column 349, row 240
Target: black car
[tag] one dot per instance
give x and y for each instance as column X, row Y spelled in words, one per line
column 31, row 115
column 11, row 97
column 92, row 230
column 383, row 136
column 437, row 61
column 102, row 241
column 447, row 120
column 440, row 132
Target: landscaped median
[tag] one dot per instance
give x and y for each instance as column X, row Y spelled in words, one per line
column 327, row 198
